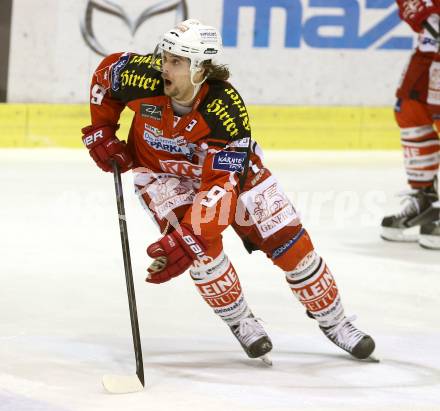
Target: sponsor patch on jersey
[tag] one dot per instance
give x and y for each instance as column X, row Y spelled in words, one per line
column 269, row 207
column 241, row 143
column 228, row 161
column 398, row 105
column 181, row 168
column 177, row 145
column 116, row 70
column 153, row 130
column 151, row 111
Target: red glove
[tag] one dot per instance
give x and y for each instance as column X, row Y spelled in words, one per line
column 415, row 12
column 173, row 254
column 104, row 146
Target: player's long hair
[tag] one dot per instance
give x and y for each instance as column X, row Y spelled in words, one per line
column 216, row 71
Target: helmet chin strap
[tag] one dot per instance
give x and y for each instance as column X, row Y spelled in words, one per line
column 190, row 101
column 193, row 69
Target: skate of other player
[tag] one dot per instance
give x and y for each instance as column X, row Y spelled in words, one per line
column 197, row 170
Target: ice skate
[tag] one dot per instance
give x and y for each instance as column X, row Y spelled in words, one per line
column 252, row 337
column 417, row 211
column 346, row 336
column 430, row 232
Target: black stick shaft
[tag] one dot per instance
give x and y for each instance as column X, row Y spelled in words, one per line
column 128, row 273
column 434, row 33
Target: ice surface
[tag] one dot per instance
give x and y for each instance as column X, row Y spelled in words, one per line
column 64, row 319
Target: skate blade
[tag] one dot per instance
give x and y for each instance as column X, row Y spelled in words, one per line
column 266, row 360
column 371, row 359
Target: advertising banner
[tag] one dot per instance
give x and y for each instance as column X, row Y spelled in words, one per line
column 288, row 52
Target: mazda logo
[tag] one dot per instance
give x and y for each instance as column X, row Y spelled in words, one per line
column 109, row 7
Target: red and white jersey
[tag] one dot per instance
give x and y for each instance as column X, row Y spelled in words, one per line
column 420, row 72
column 208, row 145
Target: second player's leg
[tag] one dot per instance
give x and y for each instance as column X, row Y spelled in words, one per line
column 420, row 144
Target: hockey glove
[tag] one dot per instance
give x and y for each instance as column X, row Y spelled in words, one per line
column 104, row 146
column 415, row 12
column 173, row 254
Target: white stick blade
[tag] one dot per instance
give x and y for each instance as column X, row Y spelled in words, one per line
column 122, row 384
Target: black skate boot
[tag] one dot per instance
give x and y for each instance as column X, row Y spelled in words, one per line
column 417, row 211
column 346, row 336
column 430, row 232
column 252, row 337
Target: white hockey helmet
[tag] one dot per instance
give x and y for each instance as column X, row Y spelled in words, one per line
column 193, row 40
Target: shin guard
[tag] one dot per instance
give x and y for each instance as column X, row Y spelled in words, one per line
column 313, row 284
column 220, row 287
column 421, row 148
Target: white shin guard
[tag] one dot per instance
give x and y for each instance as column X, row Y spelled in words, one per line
column 220, row 287
column 313, row 284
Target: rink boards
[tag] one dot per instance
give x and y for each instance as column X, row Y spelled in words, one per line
column 274, row 127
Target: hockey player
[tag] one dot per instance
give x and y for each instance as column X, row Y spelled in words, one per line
column 417, row 113
column 197, row 171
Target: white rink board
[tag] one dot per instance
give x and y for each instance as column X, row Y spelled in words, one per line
column 277, row 55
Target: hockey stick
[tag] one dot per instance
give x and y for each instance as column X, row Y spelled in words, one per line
column 432, row 31
column 120, row 384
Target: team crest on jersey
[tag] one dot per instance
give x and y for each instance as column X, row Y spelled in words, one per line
column 151, row 111
column 228, row 161
column 116, row 70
